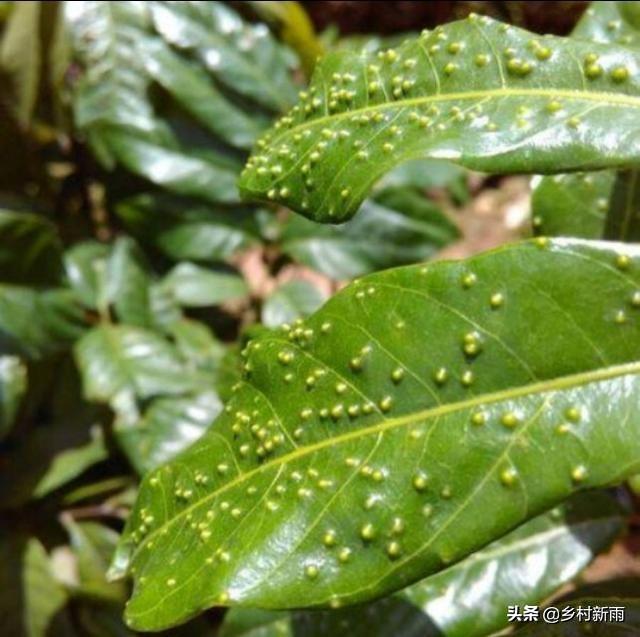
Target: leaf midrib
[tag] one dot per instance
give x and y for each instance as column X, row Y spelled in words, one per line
column 604, row 97
column 556, row 384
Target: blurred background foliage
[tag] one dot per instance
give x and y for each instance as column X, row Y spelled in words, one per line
column 131, row 273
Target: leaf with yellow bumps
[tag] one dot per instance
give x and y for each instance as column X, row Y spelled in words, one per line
column 418, row 415
column 477, row 92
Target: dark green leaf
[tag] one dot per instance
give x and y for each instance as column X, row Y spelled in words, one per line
column 128, row 282
column 167, row 427
column 291, row 301
column 573, row 205
column 485, row 95
column 30, row 251
column 30, row 596
column 615, row 22
column 85, row 266
column 616, row 593
column 93, row 544
column 250, row 622
column 433, row 394
column 52, row 455
column 13, row 384
column 195, row 286
column 193, row 89
column 120, row 362
column 404, row 227
column 243, row 57
column 623, row 217
column 471, row 598
column 33, row 323
column 427, row 174
column 186, row 231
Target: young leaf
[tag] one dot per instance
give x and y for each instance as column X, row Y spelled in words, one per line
column 461, row 397
column 485, row 95
column 572, row 205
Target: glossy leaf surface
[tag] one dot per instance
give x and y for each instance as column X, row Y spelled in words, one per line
column 488, row 96
column 422, row 393
column 529, row 564
column 470, row 598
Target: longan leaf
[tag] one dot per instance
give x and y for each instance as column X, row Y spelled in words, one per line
column 420, row 414
column 469, row 599
column 483, row 94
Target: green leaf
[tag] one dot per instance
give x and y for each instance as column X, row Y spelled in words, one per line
column 52, row 455
column 482, row 94
column 195, row 286
column 429, row 174
column 251, row 622
column 128, row 282
column 167, row 427
column 33, row 323
column 198, row 345
column 615, row 593
column 30, row 250
column 470, row 598
column 291, row 301
column 403, row 227
column 623, row 217
column 13, row 385
column 503, row 383
column 206, row 60
column 573, row 205
column 195, row 92
column 30, row 596
column 615, row 22
column 93, row 544
column 186, row 231
column 119, row 362
column 85, row 266
column 243, row 57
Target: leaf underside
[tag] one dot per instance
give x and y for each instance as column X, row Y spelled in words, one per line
column 483, row 94
column 364, row 447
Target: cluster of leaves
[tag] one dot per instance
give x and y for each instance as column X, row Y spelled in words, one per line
column 294, row 462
